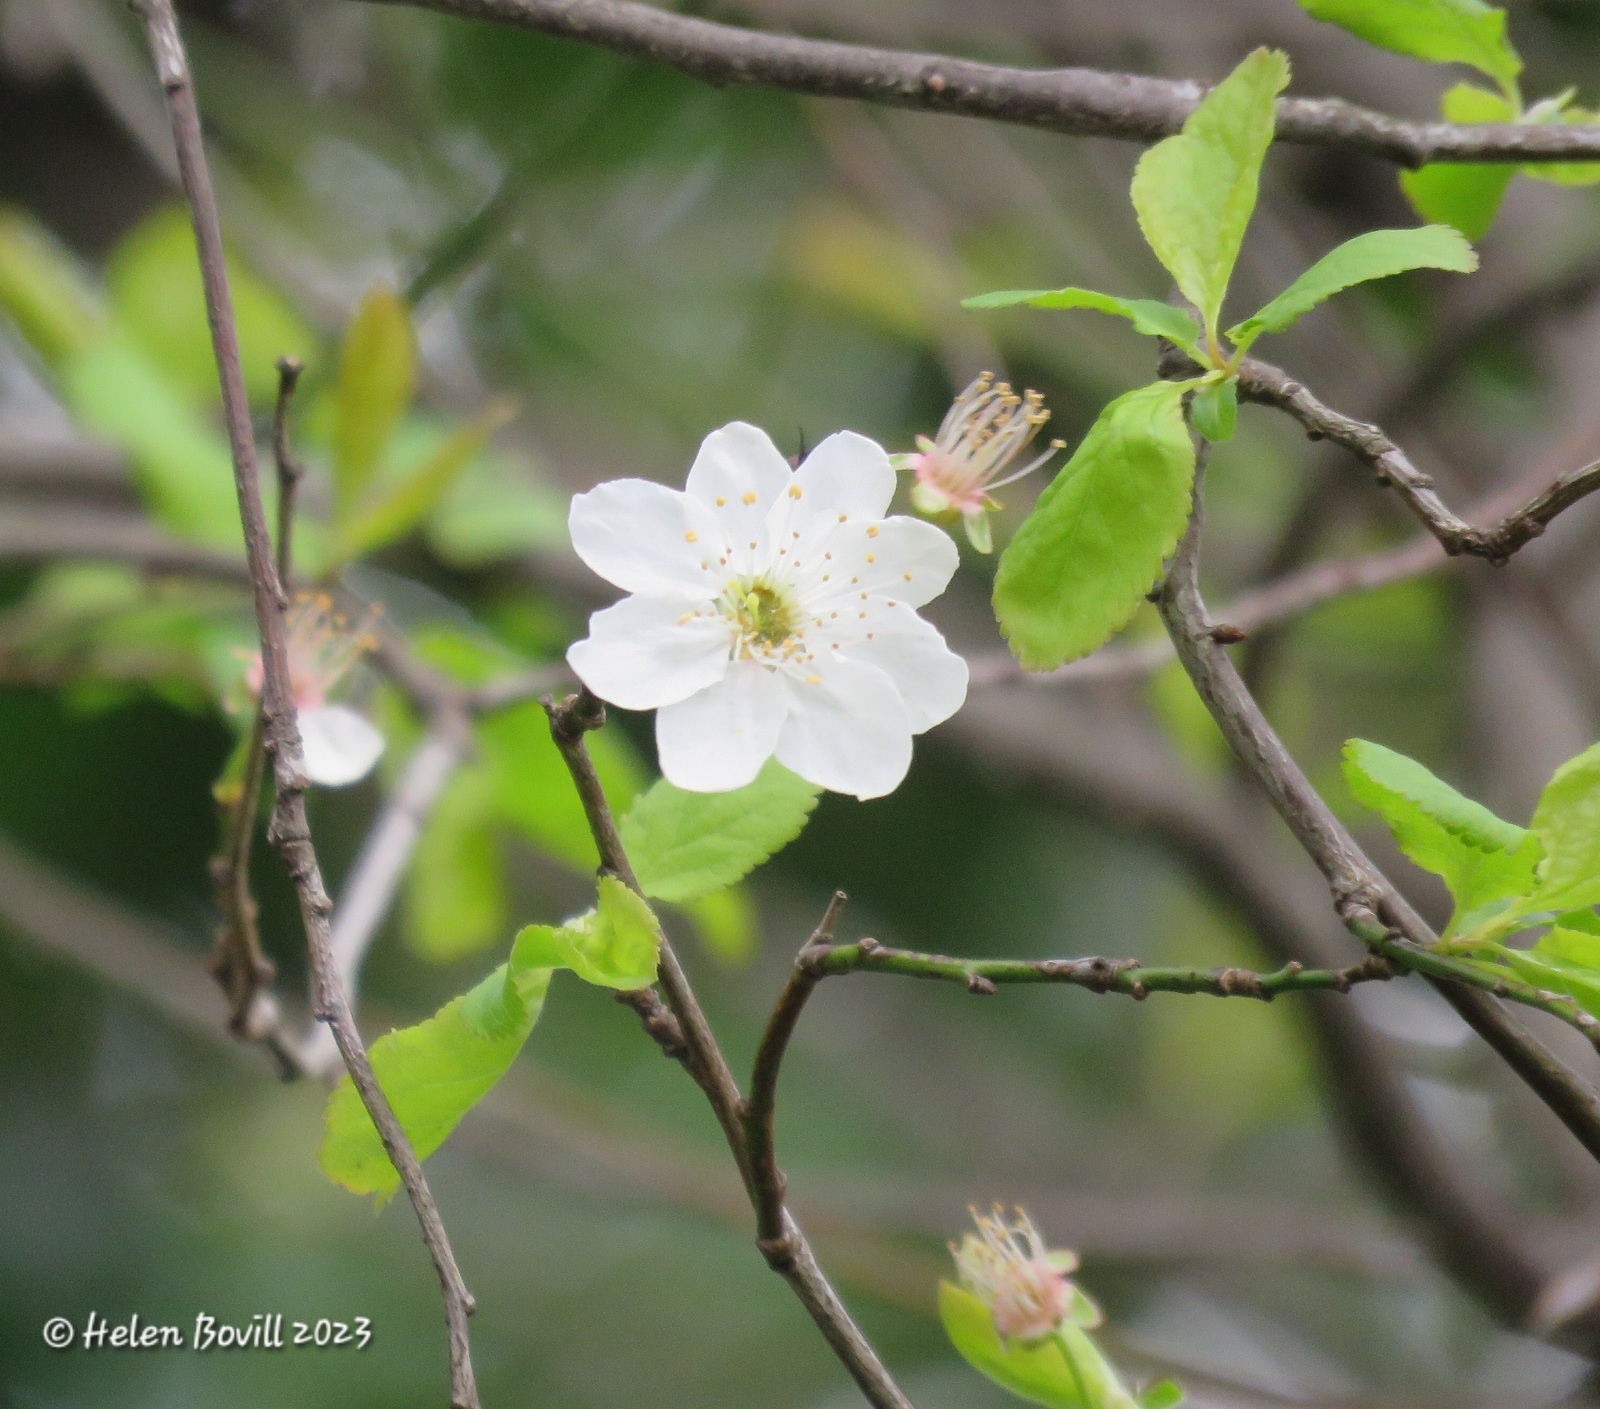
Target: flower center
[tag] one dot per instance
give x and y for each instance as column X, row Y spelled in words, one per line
column 765, row 617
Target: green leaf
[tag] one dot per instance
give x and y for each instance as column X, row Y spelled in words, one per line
column 533, row 790
column 1148, row 316
column 377, row 369
column 390, row 515
column 455, row 890
column 725, row 920
column 1564, row 961
column 154, row 280
column 1463, row 194
column 1374, row 255
column 181, row 464
column 43, row 292
column 1065, row 1370
column 685, row 845
column 614, row 946
column 1163, row 1394
column 1082, row 562
column 1195, row 192
column 496, row 509
column 1215, row 408
column 1567, row 823
column 1440, row 31
column 1481, row 857
column 433, row 1074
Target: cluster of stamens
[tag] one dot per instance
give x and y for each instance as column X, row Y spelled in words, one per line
column 323, row 643
column 1008, row 1267
column 987, row 427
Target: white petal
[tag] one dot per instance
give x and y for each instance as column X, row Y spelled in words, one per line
column 340, row 746
column 905, row 560
column 646, row 652
column 847, row 474
column 647, row 538
column 739, row 474
column 718, row 739
column 848, row 729
column 931, row 678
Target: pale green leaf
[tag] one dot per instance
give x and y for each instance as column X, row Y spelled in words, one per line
column 1147, row 315
column 496, row 509
column 1038, row 1372
column 44, row 293
column 684, row 845
column 1374, row 255
column 725, row 920
column 433, row 1074
column 377, row 370
column 1564, row 961
column 384, row 517
column 1080, row 565
column 154, row 279
column 1195, row 192
column 1567, row 823
column 1163, row 1394
column 1440, row 31
column 1465, row 195
column 533, row 790
column 455, row 889
column 181, row 464
column 614, row 946
column 1215, row 409
column 1481, row 857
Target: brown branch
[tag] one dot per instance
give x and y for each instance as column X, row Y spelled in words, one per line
column 1079, row 102
column 766, row 1179
column 1366, row 901
column 289, row 829
column 290, row 470
column 679, row 1027
column 1262, row 382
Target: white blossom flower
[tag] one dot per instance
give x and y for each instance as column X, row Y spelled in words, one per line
column 340, row 745
column 987, row 427
column 1007, row 1266
column 772, row 614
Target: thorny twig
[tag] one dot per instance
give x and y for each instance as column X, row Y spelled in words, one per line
column 679, row 1027
column 1075, row 101
column 289, row 829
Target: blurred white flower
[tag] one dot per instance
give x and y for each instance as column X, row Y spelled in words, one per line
column 771, row 616
column 986, row 429
column 340, row 745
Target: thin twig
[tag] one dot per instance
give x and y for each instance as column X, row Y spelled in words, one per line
column 766, row 1179
column 290, row 470
column 1260, row 381
column 289, row 829
column 1366, row 901
column 1080, row 102
column 678, row 1025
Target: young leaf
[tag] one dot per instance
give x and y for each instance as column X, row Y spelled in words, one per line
column 1080, row 565
column 1440, row 31
column 1564, row 961
column 377, row 368
column 1215, row 409
column 1036, row 1372
column 1163, row 1394
column 1195, row 192
column 1481, row 857
column 1567, row 823
column 1463, row 194
column 614, row 946
column 433, row 1074
column 685, row 845
column 394, row 513
column 43, row 292
column 1147, row 315
column 455, row 891
column 725, row 920
column 1374, row 255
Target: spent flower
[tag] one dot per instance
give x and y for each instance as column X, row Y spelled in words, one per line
column 983, row 434
column 772, row 614
column 1006, row 1265
column 340, row 745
